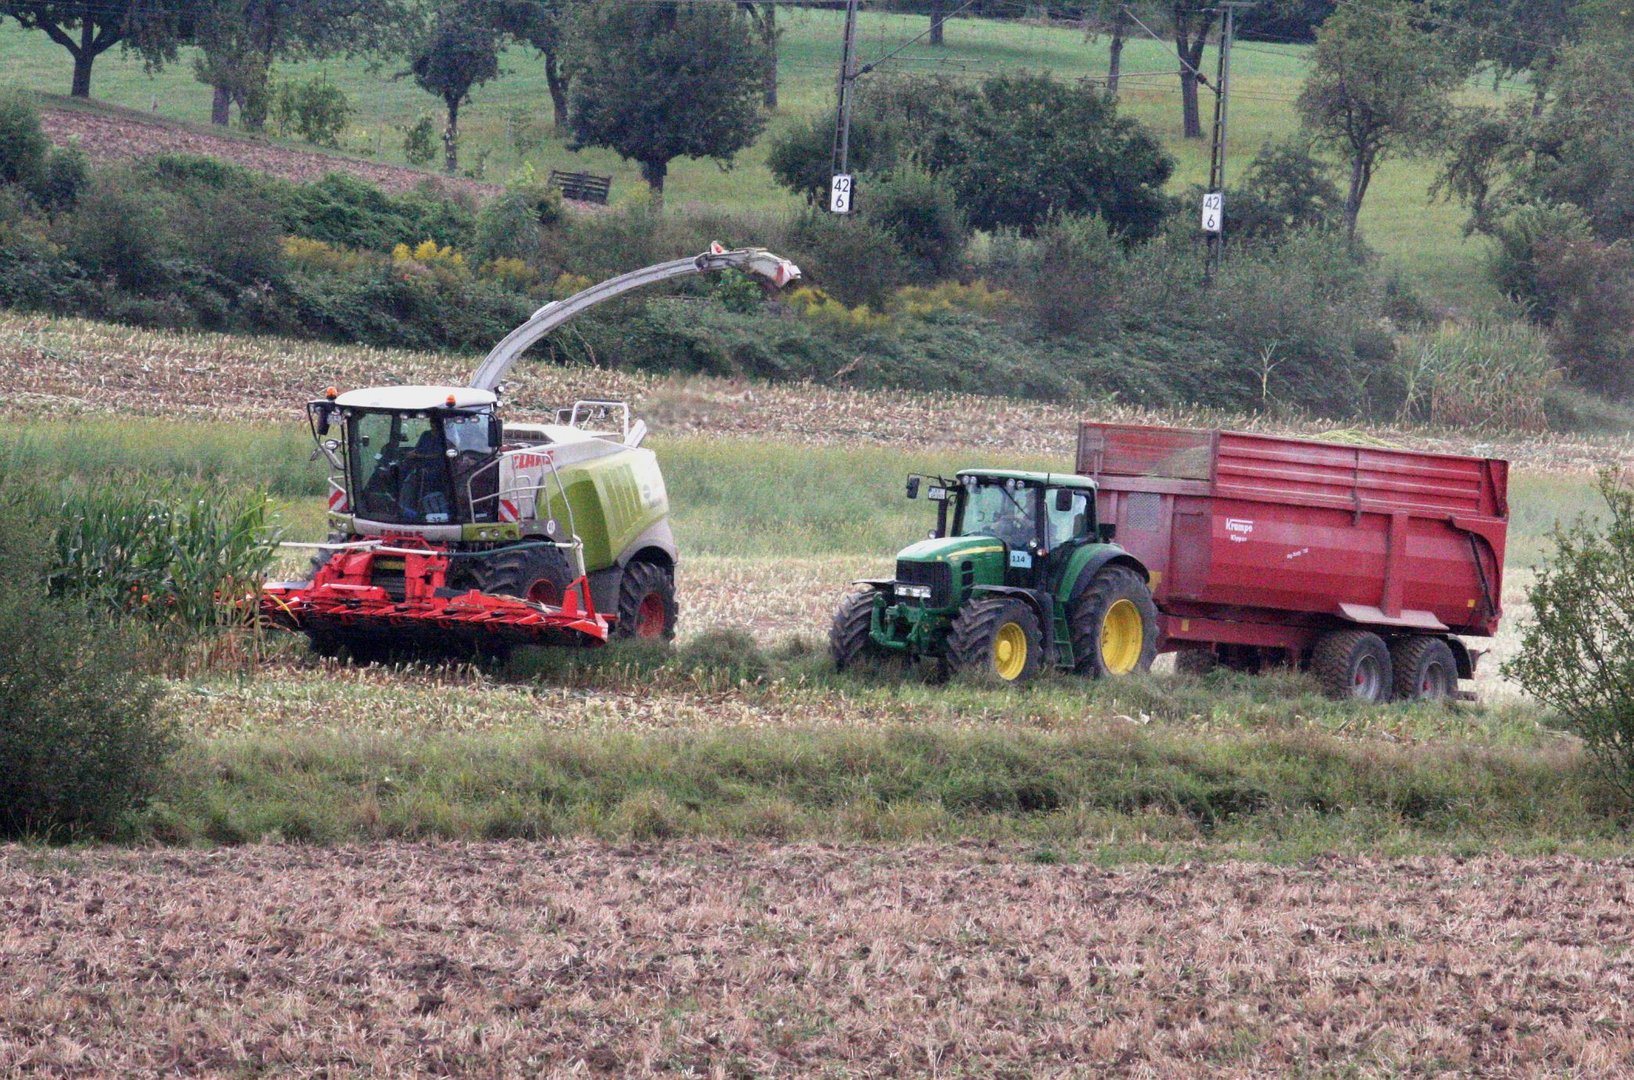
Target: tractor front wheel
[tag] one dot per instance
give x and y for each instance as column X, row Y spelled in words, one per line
column 646, row 603
column 997, row 639
column 1114, row 625
column 850, row 636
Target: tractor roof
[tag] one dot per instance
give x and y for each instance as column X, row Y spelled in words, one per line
column 1066, row 480
column 415, row 398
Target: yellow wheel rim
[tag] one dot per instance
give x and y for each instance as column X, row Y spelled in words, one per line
column 1122, row 637
column 1010, row 651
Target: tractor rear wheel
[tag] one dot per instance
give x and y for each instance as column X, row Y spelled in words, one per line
column 1114, row 625
column 1353, row 664
column 1425, row 669
column 646, row 603
column 849, row 632
column 526, row 571
column 997, row 639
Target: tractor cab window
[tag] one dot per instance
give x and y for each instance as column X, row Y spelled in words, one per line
column 399, row 472
column 1005, row 509
column 1068, row 513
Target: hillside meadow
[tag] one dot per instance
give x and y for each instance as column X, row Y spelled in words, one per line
column 507, row 122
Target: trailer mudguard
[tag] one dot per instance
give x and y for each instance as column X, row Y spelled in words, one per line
column 1089, row 559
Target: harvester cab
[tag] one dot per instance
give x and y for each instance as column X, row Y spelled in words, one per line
column 454, row 530
column 1017, row 573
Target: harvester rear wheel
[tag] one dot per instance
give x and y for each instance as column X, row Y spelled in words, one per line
column 646, row 602
column 539, row 573
column 849, row 636
column 1353, row 664
column 997, row 639
column 1114, row 625
column 1425, row 669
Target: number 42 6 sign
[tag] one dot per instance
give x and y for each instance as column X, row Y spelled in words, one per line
column 839, row 194
column 1213, row 211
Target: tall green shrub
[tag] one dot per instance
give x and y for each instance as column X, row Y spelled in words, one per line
column 82, row 741
column 23, row 145
column 1577, row 649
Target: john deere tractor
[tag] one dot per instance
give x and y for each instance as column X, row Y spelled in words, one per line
column 1017, row 574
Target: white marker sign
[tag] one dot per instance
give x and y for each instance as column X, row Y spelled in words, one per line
column 1213, row 211
column 839, row 194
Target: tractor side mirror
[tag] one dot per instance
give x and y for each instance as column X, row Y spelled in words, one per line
column 324, row 409
column 1106, row 531
column 1063, row 499
column 913, row 487
column 496, row 431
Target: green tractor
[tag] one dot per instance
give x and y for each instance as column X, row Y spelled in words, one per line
column 1017, row 574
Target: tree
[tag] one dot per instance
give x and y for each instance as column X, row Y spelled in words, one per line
column 1111, row 18
column 543, row 24
column 89, row 28
column 1577, row 650
column 1189, row 22
column 239, row 41
column 763, row 17
column 1379, row 85
column 1027, row 147
column 461, row 52
column 659, row 81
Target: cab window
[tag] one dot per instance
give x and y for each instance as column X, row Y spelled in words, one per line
column 1071, row 523
column 1002, row 508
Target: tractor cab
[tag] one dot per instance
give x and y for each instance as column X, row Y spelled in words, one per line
column 412, row 457
column 1038, row 517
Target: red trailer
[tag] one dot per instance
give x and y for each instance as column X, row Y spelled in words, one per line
column 1358, row 562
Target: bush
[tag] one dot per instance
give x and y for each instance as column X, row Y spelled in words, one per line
column 315, row 110
column 82, row 742
column 1071, row 275
column 1590, row 284
column 508, row 228
column 1286, row 189
column 854, row 260
column 23, row 145
column 1522, row 239
column 420, row 141
column 66, row 174
column 1577, row 650
column 118, row 231
column 344, row 210
column 921, row 215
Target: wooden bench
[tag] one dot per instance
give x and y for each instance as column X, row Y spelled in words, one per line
column 586, row 187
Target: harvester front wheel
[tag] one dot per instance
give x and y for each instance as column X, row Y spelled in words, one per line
column 1114, row 625
column 539, row 573
column 646, row 603
column 997, row 639
column 850, row 636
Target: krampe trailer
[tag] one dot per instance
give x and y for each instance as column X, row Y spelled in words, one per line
column 457, row 531
column 1364, row 565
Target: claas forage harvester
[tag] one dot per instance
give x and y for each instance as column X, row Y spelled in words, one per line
column 455, row 530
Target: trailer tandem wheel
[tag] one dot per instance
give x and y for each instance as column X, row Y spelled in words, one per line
column 1353, row 664
column 1425, row 669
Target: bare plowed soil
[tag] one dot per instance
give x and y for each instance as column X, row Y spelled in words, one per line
column 117, row 135
column 701, row 959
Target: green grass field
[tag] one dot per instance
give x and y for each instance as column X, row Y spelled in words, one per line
column 508, row 121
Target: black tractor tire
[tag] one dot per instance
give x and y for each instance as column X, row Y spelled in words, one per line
column 536, row 572
column 1353, row 664
column 996, row 639
column 1113, row 600
column 1425, row 669
column 849, row 639
column 646, row 603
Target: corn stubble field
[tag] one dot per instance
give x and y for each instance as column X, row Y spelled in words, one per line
column 750, row 866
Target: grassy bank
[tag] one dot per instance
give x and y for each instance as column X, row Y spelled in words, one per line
column 1276, row 796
